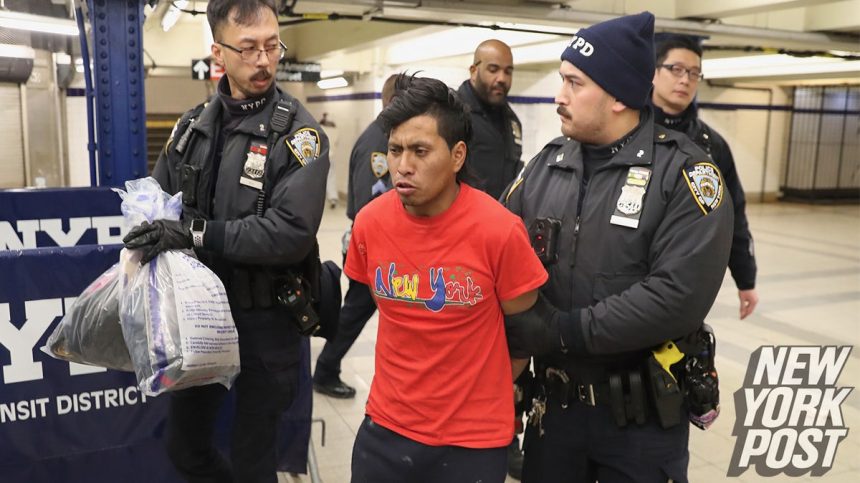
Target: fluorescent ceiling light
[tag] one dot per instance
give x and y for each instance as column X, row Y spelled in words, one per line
column 774, row 66
column 453, row 42
column 171, row 16
column 326, row 73
column 37, row 23
column 332, row 83
column 17, row 51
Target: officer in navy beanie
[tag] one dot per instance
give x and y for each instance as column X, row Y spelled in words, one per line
column 642, row 229
column 618, row 55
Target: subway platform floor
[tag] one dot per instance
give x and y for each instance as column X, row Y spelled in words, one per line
column 809, row 288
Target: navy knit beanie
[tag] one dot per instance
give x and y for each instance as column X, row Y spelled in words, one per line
column 618, row 55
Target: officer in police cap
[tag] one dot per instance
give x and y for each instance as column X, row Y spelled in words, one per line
column 634, row 225
column 251, row 164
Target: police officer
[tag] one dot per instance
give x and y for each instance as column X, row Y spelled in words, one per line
column 676, row 80
column 634, row 226
column 497, row 141
column 368, row 178
column 251, row 164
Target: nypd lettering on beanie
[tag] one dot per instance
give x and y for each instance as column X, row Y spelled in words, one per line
column 581, row 45
column 618, row 55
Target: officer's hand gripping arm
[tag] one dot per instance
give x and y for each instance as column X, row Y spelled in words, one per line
column 543, row 329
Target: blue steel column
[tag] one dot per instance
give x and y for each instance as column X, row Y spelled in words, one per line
column 120, row 107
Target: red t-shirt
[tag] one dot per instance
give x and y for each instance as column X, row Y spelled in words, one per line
column 443, row 372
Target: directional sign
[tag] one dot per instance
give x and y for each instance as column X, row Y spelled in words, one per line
column 216, row 71
column 200, row 69
column 292, row 71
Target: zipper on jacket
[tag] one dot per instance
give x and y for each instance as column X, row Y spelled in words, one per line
column 583, row 187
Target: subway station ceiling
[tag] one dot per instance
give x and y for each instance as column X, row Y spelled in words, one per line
column 782, row 40
column 794, row 38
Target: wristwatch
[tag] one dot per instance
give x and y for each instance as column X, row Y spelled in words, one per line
column 198, row 228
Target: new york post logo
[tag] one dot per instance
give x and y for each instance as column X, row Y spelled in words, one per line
column 789, row 415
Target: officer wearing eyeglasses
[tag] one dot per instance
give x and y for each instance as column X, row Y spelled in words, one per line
column 252, row 205
column 676, row 79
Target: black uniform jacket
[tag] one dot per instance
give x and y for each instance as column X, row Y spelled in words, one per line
column 742, row 260
column 634, row 288
column 494, row 156
column 294, row 181
column 367, row 165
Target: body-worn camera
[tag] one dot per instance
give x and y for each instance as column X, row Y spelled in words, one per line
column 293, row 293
column 701, row 381
column 543, row 234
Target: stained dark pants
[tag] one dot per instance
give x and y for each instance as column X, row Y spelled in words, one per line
column 383, row 456
column 265, row 388
column 583, row 444
column 358, row 307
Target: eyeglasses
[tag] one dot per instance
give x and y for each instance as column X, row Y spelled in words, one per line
column 251, row 54
column 679, row 70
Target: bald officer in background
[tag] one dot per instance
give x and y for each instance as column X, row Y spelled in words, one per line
column 497, row 141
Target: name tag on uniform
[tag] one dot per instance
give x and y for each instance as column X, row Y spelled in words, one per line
column 628, row 208
column 255, row 166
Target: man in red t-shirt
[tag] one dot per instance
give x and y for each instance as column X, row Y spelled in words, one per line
column 445, row 263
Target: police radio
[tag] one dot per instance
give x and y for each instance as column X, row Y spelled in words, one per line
column 543, row 234
column 701, row 381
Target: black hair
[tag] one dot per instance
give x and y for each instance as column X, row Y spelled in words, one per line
column 417, row 96
column 664, row 46
column 247, row 12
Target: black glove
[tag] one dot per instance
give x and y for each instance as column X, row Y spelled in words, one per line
column 541, row 330
column 158, row 236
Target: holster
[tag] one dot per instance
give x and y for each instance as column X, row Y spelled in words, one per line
column 666, row 395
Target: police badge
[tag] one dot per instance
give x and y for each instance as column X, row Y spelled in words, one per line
column 706, row 185
column 628, row 208
column 630, row 201
column 517, row 131
column 255, row 166
column 378, row 164
column 305, row 144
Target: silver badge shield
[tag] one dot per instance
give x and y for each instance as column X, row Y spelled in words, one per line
column 630, row 201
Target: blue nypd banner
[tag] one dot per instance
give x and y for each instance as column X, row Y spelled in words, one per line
column 61, row 421
column 59, row 217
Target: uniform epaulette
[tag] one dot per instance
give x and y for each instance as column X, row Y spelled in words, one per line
column 183, row 122
column 559, row 141
column 661, row 135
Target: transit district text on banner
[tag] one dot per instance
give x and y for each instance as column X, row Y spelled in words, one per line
column 61, row 421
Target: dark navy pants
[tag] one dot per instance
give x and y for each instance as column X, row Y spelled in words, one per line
column 582, row 444
column 265, row 388
column 383, row 456
column 358, row 307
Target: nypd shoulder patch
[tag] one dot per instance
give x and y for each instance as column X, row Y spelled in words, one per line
column 378, row 164
column 706, row 185
column 305, row 144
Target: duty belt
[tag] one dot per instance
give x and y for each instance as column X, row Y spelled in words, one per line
column 564, row 389
column 624, row 393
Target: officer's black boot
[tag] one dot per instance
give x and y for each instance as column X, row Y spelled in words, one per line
column 515, row 459
column 331, row 385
